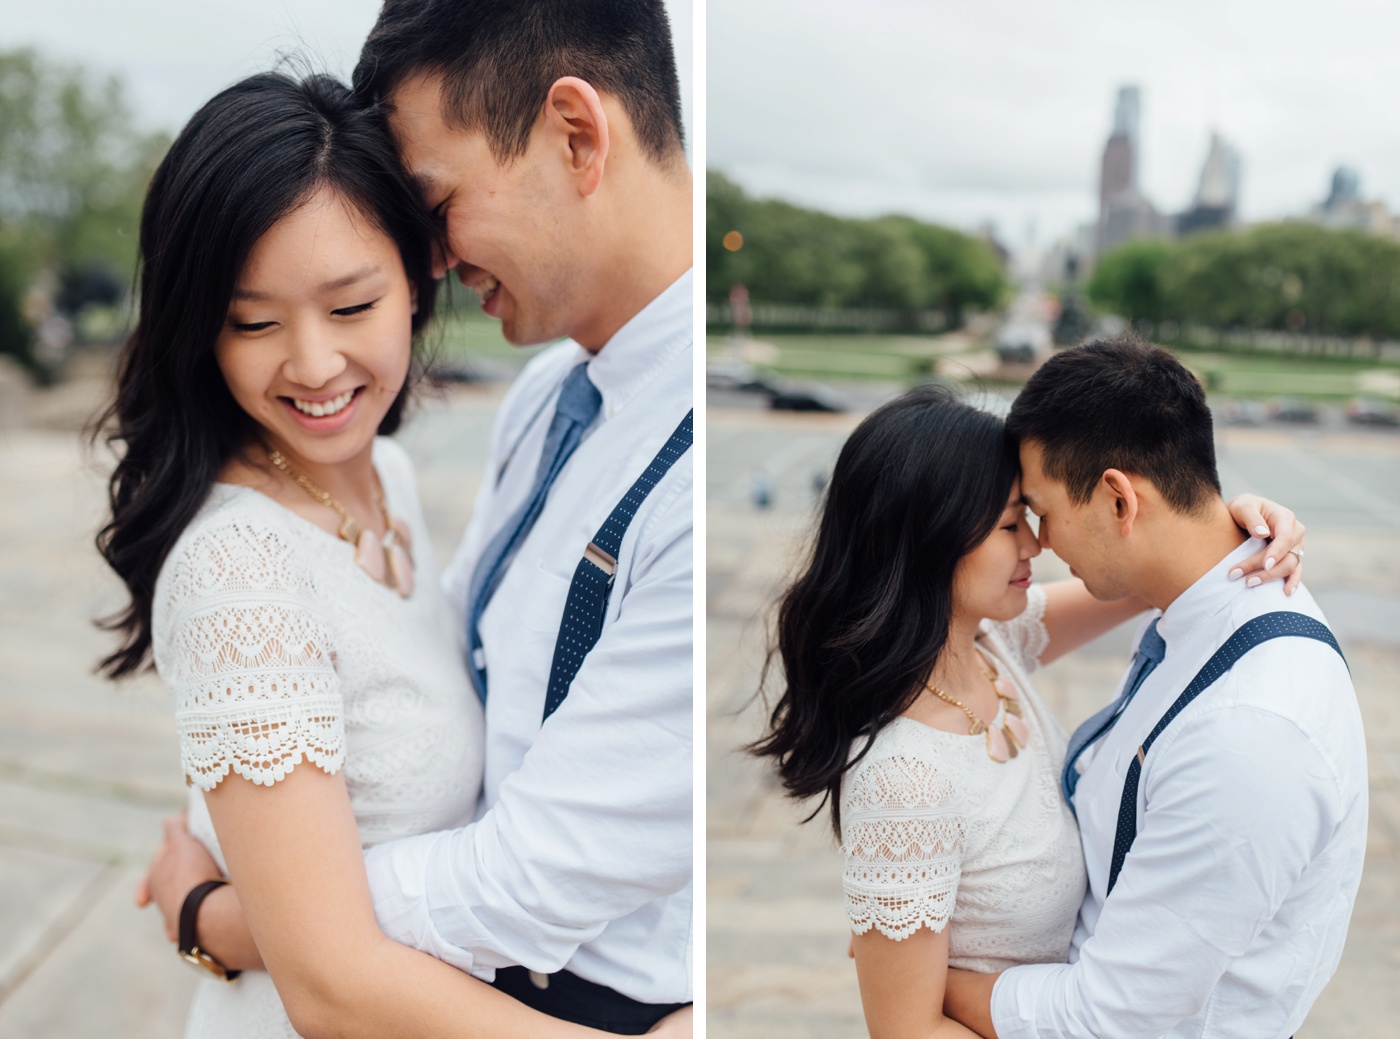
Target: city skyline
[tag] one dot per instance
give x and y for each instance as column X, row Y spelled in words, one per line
column 1000, row 112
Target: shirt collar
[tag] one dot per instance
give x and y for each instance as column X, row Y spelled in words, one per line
column 1212, row 592
column 641, row 347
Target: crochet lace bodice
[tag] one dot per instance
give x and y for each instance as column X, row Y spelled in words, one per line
column 281, row 653
column 933, row 829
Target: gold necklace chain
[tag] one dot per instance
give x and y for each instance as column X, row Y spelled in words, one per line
column 349, row 527
column 388, row 561
column 994, row 739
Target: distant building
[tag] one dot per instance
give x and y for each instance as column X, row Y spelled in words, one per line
column 1124, row 212
column 1345, row 208
column 1217, row 196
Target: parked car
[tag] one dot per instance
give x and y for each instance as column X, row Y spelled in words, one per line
column 1021, row 342
column 1241, row 412
column 1292, row 409
column 1371, row 411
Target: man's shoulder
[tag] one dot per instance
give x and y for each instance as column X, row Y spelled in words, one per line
column 1297, row 687
column 1287, row 667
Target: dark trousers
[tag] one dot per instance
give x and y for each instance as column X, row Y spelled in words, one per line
column 570, row 998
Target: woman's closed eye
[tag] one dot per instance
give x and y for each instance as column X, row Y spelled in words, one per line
column 1015, row 524
column 253, row 326
column 358, row 308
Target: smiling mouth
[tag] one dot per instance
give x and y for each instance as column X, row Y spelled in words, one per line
column 486, row 288
column 325, row 408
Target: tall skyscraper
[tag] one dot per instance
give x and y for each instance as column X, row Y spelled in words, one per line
column 1127, row 115
column 1217, row 195
column 1123, row 211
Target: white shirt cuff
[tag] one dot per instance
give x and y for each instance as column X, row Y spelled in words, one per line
column 1018, row 994
column 396, row 883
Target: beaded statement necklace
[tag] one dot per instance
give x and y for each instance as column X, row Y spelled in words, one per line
column 1004, row 741
column 390, row 562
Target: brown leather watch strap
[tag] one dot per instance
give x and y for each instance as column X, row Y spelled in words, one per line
column 189, row 941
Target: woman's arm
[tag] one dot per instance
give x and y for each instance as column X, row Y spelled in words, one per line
column 294, row 854
column 901, row 985
column 1074, row 618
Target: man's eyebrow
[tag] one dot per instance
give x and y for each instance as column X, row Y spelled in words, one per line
column 1027, row 500
column 355, row 276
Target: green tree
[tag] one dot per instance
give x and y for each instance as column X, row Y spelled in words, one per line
column 73, row 171
column 1287, row 276
column 796, row 255
column 1131, row 281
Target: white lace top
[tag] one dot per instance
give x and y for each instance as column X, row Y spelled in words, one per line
column 281, row 653
column 933, row 829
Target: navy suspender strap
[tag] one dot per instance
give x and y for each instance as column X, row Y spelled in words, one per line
column 1253, row 633
column 593, row 577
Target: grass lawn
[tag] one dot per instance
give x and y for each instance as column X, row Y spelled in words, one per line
column 910, row 359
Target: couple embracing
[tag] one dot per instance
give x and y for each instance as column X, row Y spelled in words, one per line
column 512, row 741
column 1185, row 863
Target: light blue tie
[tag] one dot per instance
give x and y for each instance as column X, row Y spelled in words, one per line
column 578, row 405
column 1151, row 649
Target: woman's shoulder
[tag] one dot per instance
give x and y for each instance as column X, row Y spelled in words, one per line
column 239, row 541
column 908, row 765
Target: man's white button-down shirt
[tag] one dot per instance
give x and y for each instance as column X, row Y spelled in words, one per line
column 1232, row 907
column 581, row 853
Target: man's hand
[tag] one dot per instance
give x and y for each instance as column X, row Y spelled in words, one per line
column 679, row 1024
column 1269, row 520
column 178, row 866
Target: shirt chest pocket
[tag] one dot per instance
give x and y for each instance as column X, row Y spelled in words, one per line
column 538, row 607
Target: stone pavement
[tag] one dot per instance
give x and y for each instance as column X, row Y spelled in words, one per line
column 776, row 929
column 88, row 769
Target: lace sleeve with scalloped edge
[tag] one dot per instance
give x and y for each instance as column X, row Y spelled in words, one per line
column 903, row 843
column 241, row 644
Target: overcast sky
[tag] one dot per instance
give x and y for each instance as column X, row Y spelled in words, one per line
column 962, row 111
column 176, row 54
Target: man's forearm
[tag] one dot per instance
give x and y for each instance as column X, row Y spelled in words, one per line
column 967, row 999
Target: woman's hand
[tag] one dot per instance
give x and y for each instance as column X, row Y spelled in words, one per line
column 1283, row 555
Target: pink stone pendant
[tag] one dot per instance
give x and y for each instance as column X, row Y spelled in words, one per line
column 1017, row 727
column 369, row 554
column 400, row 529
column 400, row 568
column 997, row 748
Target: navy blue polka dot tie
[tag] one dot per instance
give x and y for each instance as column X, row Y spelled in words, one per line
column 578, row 405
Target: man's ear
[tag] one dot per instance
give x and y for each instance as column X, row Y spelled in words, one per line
column 574, row 111
column 1126, row 503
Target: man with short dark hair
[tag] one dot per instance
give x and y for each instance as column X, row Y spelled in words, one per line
column 1221, row 796
column 546, row 137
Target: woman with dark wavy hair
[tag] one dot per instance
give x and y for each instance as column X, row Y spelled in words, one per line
column 273, row 545
column 906, row 645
